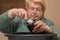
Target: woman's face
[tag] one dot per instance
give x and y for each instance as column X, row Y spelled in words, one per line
column 35, row 10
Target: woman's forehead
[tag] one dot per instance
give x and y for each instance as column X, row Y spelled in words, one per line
column 35, row 4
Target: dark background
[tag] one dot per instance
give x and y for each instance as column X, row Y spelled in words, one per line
column 9, row 4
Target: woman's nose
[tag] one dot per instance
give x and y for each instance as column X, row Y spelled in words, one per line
column 34, row 11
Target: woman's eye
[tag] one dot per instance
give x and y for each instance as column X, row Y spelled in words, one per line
column 32, row 8
column 39, row 9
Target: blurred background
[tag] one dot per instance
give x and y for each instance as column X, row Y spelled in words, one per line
column 52, row 11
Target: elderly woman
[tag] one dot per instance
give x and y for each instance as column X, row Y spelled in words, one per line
column 15, row 19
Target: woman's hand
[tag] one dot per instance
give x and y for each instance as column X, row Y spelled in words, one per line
column 19, row 12
column 40, row 27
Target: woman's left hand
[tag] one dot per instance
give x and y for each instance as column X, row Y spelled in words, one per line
column 40, row 27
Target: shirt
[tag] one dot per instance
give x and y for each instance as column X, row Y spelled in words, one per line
column 17, row 24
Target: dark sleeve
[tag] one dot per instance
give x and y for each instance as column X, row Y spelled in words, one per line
column 8, row 25
column 52, row 26
column 4, row 21
column 12, row 27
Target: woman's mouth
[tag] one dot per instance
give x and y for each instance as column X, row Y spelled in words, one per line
column 34, row 16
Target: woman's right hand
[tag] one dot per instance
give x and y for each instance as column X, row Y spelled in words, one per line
column 19, row 12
